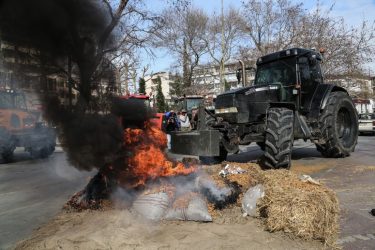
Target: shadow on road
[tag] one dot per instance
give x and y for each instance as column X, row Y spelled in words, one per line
column 253, row 153
column 305, row 154
column 19, row 156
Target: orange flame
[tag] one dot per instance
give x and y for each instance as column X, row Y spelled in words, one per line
column 148, row 160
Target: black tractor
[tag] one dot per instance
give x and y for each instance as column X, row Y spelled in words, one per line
column 288, row 101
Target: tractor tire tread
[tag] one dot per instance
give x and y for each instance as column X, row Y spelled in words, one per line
column 279, row 138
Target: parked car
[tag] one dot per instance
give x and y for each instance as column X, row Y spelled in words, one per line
column 367, row 123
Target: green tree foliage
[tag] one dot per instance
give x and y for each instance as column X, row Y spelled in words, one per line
column 176, row 87
column 160, row 100
column 142, row 86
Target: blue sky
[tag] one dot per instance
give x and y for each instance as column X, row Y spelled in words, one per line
column 353, row 12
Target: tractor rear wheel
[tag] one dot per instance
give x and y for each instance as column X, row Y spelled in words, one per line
column 279, row 138
column 339, row 126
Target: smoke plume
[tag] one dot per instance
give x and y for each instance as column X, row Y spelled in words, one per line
column 61, row 29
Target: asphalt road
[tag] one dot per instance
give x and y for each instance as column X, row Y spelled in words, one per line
column 33, row 191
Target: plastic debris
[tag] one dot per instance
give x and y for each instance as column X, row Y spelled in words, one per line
column 309, row 179
column 250, row 199
column 228, row 169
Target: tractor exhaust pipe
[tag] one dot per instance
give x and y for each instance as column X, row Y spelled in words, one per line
column 243, row 73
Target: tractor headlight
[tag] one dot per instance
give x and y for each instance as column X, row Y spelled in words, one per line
column 226, row 110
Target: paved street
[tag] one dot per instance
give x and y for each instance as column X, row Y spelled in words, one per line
column 33, row 191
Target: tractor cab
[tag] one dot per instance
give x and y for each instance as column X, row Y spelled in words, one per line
column 296, row 72
column 189, row 102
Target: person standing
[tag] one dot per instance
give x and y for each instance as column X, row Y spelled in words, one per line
column 194, row 118
column 172, row 125
column 184, row 121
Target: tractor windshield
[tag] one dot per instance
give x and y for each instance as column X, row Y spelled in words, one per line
column 281, row 71
column 190, row 103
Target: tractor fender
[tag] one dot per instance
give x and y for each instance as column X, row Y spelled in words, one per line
column 333, row 88
column 288, row 105
column 320, row 98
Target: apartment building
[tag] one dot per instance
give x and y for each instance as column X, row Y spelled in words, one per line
column 22, row 67
column 208, row 76
column 151, row 85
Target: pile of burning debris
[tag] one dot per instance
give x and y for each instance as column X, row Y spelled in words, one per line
column 149, row 182
column 156, row 188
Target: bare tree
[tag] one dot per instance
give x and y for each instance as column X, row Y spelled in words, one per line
column 133, row 34
column 348, row 49
column 273, row 25
column 181, row 33
column 223, row 36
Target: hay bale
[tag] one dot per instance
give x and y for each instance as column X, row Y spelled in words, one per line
column 304, row 209
column 248, row 179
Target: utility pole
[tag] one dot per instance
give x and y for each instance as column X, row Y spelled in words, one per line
column 222, row 82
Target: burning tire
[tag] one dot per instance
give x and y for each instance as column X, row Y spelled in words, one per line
column 279, row 138
column 339, row 126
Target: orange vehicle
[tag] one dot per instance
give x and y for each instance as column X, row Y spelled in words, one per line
column 19, row 128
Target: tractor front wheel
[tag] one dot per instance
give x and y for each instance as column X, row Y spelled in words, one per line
column 279, row 138
column 7, row 145
column 7, row 154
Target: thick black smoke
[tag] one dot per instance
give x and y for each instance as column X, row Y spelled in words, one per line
column 70, row 28
column 56, row 27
